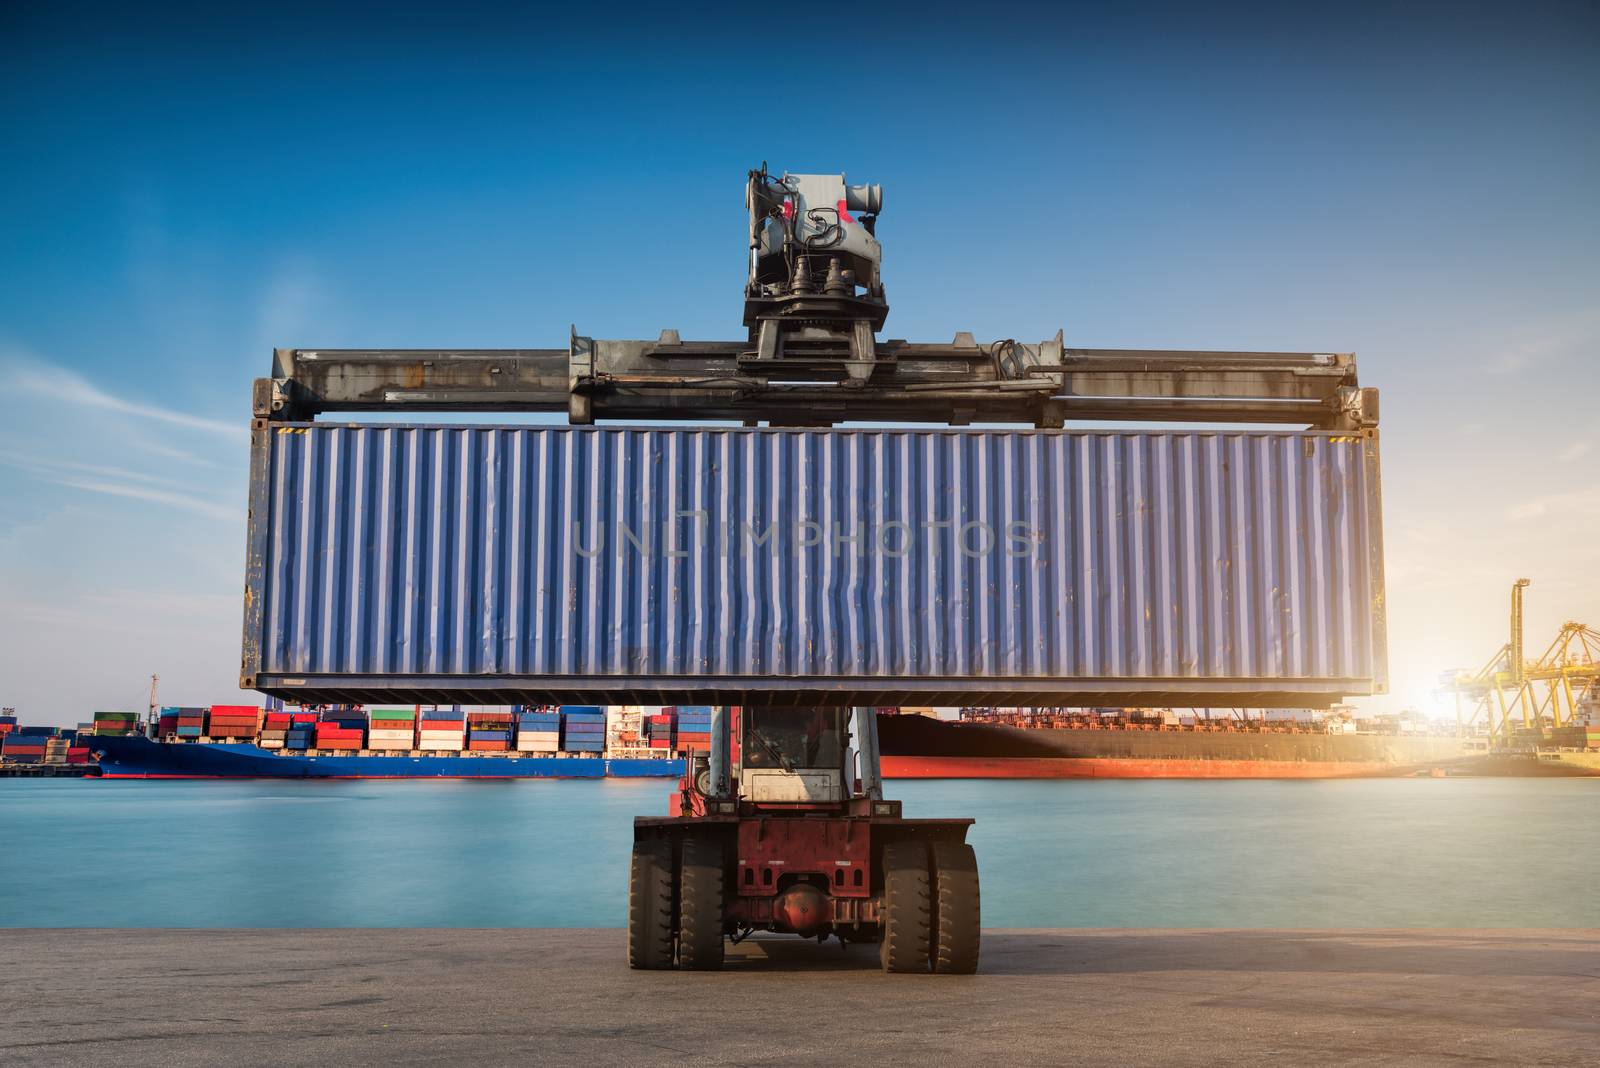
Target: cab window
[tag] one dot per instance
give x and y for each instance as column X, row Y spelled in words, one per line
column 791, row 738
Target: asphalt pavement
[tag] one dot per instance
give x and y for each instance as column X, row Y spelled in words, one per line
column 391, row 997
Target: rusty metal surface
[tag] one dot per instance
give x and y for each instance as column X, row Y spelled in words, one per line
column 960, row 382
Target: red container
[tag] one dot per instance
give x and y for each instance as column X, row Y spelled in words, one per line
column 338, row 743
column 660, row 743
column 236, row 710
column 393, row 724
column 494, row 747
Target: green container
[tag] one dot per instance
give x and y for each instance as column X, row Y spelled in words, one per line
column 391, row 713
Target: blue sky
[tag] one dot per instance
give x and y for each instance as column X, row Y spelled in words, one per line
column 186, row 188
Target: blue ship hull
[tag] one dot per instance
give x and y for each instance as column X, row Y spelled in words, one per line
column 141, row 758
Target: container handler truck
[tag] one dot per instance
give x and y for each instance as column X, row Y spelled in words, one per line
column 782, row 826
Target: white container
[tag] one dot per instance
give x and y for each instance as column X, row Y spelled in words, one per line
column 538, row 743
column 389, row 735
column 446, row 745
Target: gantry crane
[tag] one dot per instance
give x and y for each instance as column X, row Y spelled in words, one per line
column 1510, row 692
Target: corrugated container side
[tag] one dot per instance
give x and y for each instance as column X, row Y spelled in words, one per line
column 527, row 564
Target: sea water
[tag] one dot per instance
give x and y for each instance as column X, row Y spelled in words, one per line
column 1353, row 853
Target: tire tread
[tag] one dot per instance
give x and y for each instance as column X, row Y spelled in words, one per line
column 907, row 908
column 700, row 904
column 650, row 905
column 958, row 920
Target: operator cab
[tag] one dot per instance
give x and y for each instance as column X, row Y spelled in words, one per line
column 793, row 755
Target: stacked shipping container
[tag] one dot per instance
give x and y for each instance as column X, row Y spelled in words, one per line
column 392, row 729
column 21, row 747
column 659, row 729
column 628, row 731
column 441, row 730
column 117, row 723
column 583, row 729
column 489, row 732
column 274, row 729
column 238, row 722
column 302, row 732
column 342, row 730
column 538, row 731
column 694, row 729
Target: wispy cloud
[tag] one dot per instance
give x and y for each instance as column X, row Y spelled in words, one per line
column 1576, row 451
column 1574, row 504
column 150, row 493
column 145, row 444
column 54, row 469
column 27, row 375
column 290, row 305
column 1545, row 341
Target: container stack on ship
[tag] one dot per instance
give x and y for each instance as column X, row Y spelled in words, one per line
column 43, row 751
column 538, row 731
column 391, row 730
column 116, row 723
column 302, row 732
column 489, row 732
column 442, row 730
column 583, row 730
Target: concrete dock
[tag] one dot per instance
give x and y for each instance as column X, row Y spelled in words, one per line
column 490, row 997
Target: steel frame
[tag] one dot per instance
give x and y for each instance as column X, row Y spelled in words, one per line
column 963, row 382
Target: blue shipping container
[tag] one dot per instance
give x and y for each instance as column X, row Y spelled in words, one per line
column 732, row 566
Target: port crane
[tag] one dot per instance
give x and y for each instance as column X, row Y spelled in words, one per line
column 1511, row 692
column 782, row 825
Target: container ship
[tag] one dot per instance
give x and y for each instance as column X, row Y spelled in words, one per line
column 1163, row 744
column 243, row 741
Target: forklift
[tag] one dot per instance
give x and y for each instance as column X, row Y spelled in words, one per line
column 783, row 827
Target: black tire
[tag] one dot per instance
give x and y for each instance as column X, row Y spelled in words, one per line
column 650, row 905
column 957, row 911
column 907, row 910
column 700, row 892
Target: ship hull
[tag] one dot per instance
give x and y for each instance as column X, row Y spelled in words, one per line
column 920, row 747
column 141, row 758
column 907, row 767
